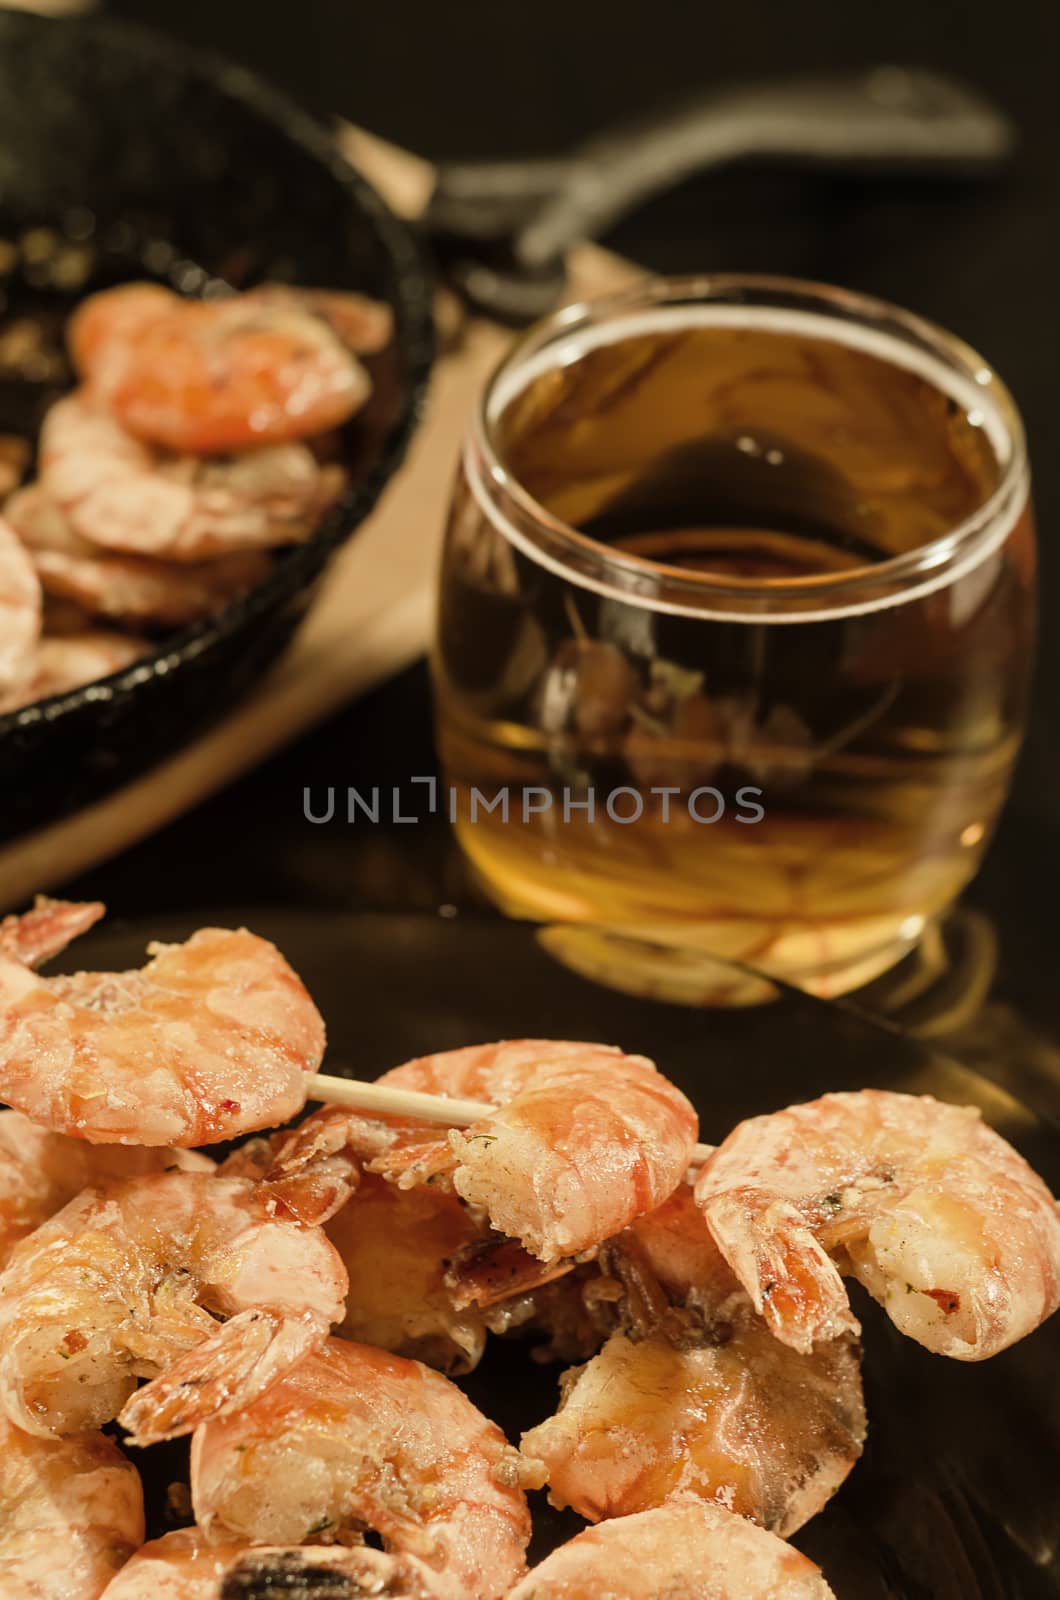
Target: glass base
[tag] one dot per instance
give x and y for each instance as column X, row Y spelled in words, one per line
column 685, row 966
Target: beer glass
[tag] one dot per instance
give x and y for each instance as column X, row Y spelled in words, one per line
column 736, row 622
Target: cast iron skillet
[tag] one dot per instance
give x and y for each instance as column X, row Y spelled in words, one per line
column 173, row 165
column 956, row 1496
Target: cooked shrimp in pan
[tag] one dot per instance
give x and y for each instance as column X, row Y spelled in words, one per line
column 122, row 495
column 133, row 590
column 187, row 1566
column 67, row 661
column 354, row 1438
column 71, row 1513
column 695, row 1396
column 943, row 1222
column 684, row 1551
column 129, row 1282
column 211, row 1039
column 20, row 612
column 41, row 1171
column 584, row 1140
column 209, row 377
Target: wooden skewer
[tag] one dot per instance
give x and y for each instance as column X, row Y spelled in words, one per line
column 379, row 1099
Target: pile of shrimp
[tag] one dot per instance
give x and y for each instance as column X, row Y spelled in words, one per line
column 201, row 437
column 302, row 1307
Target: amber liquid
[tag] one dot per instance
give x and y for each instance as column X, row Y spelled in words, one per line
column 879, row 744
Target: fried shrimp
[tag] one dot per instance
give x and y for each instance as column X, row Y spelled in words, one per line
column 695, row 1396
column 353, row 1438
column 187, row 1566
column 128, row 1282
column 212, row 1038
column 123, row 495
column 684, row 1551
column 41, row 1171
column 133, row 590
column 940, row 1219
column 20, row 612
column 270, row 366
column 584, row 1140
column 71, row 1513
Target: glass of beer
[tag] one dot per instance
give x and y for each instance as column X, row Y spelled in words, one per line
column 736, row 624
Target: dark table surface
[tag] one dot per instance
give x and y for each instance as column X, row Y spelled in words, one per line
column 478, row 79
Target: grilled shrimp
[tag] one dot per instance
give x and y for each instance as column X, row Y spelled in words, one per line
column 394, row 1245
column 20, row 612
column 121, row 494
column 272, row 365
column 940, row 1219
column 695, row 1396
column 187, row 1566
column 128, row 1282
column 41, row 1171
column 352, row 1438
column 137, row 590
column 212, row 1038
column 585, row 1139
column 71, row 1512
column 683, row 1551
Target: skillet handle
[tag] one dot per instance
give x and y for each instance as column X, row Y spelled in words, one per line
column 516, row 220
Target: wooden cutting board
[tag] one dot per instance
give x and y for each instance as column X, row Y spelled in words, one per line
column 375, row 610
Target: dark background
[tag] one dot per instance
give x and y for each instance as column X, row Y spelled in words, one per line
column 480, row 78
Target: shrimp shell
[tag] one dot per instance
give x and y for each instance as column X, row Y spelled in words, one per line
column 71, row 1513
column 211, row 1039
column 586, row 1139
column 354, row 1437
column 127, row 1282
column 682, row 1551
column 943, row 1221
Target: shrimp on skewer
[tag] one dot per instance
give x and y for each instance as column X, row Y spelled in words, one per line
column 352, row 1438
column 20, row 612
column 41, row 1171
column 273, row 365
column 943, row 1222
column 137, row 590
column 128, row 1282
column 584, row 1140
column 122, row 495
column 71, row 1513
column 187, row 1566
column 212, row 1038
column 694, row 1396
column 684, row 1551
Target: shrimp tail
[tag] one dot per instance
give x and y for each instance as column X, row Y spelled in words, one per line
column 220, row 1375
column 791, row 1280
column 38, row 935
column 327, row 1574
